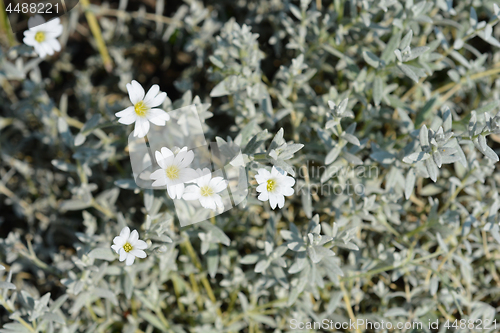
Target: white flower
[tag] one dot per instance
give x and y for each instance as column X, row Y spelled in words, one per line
column 206, row 190
column 274, row 186
column 143, row 111
column 128, row 246
column 174, row 171
column 43, row 35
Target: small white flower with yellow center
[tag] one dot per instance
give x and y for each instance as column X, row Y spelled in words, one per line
column 43, row 35
column 128, row 246
column 206, row 190
column 143, row 111
column 274, row 186
column 174, row 171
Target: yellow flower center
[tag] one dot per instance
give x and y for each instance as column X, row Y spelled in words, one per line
column 127, row 247
column 271, row 185
column 40, row 36
column 141, row 109
column 206, row 191
column 172, row 172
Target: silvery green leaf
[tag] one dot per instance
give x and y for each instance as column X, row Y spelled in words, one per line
column 53, row 317
column 342, row 106
column 383, row 157
column 267, row 320
column 405, row 42
column 473, row 17
column 7, row 285
column 351, row 158
column 213, row 259
column 487, row 32
column 461, row 59
column 262, row 266
column 153, row 320
column 408, row 72
column 91, row 124
column 417, row 52
column 472, row 124
column 396, row 312
column 447, row 120
column 378, row 90
column 416, row 157
column 437, row 159
column 350, row 138
column 424, row 136
column 371, row 59
column 249, row 259
column 128, row 184
column 103, row 254
column 217, row 234
column 332, row 155
column 392, row 45
column 306, row 201
column 398, row 55
column 432, row 169
column 486, row 150
column 409, row 183
column 63, row 166
column 63, row 128
column 255, row 142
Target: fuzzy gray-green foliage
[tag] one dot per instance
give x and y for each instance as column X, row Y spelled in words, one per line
column 397, row 98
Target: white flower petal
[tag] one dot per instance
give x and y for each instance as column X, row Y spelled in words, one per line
column 138, row 253
column 125, row 234
column 262, row 188
column 219, row 185
column 158, row 100
column 281, row 200
column 264, row 196
column 116, row 248
column 183, row 159
column 135, row 91
column 167, row 153
column 276, row 172
column 130, row 260
column 218, row 201
column 134, row 237
column 141, row 127
column 287, row 181
column 40, row 50
column 127, row 116
column 191, row 192
column 54, row 44
column 157, row 117
column 262, row 176
column 140, row 245
column 208, row 203
column 119, row 241
column 152, row 92
column 287, row 191
column 273, row 200
column 123, row 254
column 179, row 190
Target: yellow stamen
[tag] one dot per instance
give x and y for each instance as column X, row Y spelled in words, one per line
column 127, row 247
column 206, row 191
column 40, row 36
column 172, row 172
column 140, row 109
column 271, row 185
